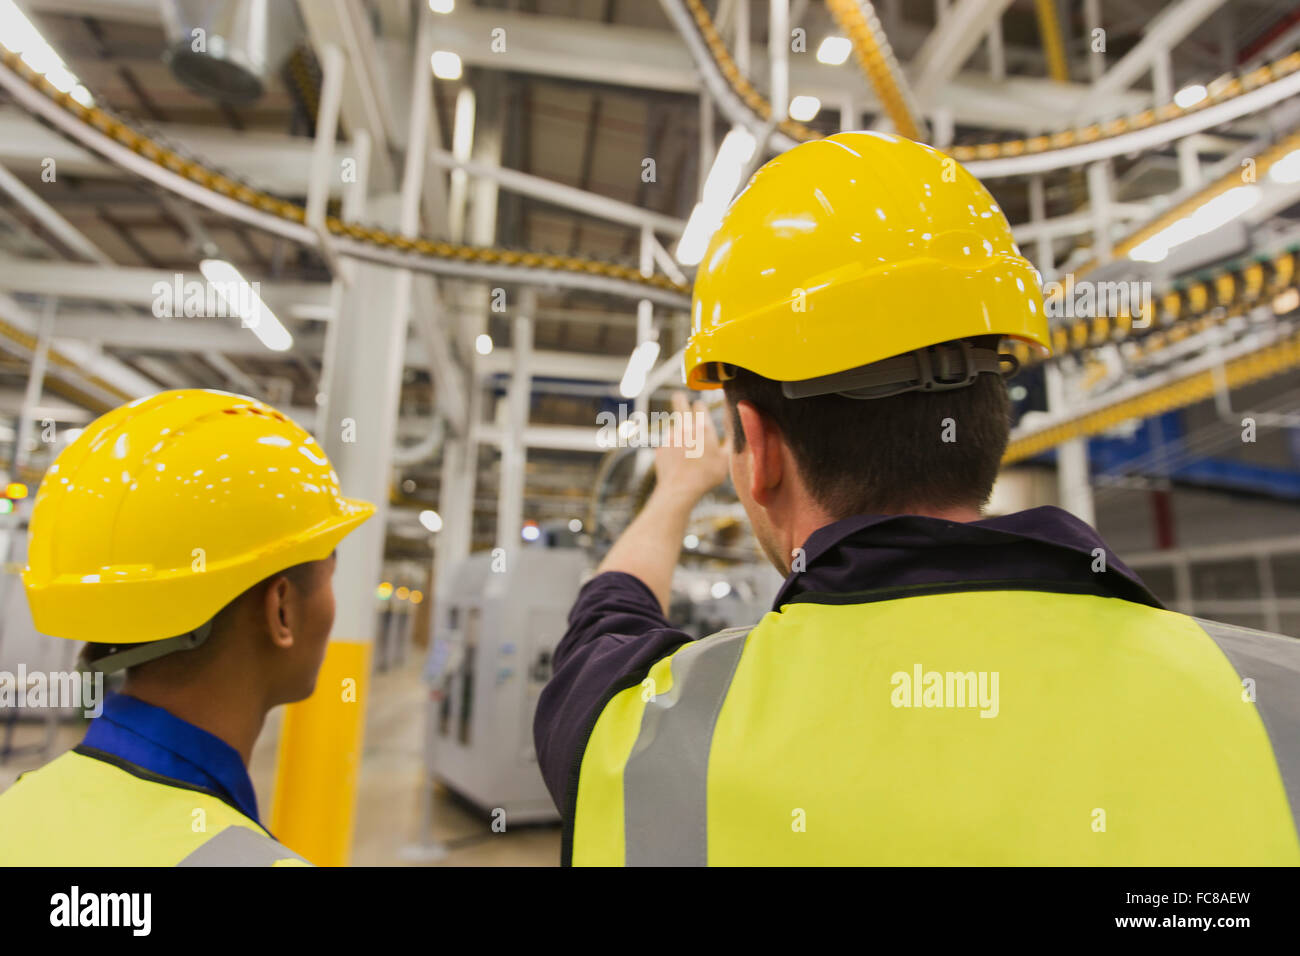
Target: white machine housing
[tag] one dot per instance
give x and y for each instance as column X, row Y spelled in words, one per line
column 490, row 657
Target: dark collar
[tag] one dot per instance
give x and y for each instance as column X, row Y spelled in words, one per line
column 1040, row 548
column 161, row 743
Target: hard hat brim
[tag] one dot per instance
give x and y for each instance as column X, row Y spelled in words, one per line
column 135, row 604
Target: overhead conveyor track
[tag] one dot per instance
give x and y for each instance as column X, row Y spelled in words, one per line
column 1260, row 165
column 97, row 130
column 1229, row 97
column 876, row 58
column 1186, row 310
column 1254, row 363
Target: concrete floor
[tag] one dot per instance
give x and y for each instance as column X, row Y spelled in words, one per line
column 391, row 793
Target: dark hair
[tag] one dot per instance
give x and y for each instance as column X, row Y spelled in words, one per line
column 887, row 455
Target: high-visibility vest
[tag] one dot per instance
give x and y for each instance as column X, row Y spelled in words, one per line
column 81, row 810
column 992, row 727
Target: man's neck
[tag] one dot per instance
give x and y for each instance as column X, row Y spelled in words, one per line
column 229, row 715
column 814, row 519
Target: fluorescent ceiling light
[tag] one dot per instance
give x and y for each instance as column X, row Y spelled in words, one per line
column 804, row 108
column 1189, row 96
column 638, row 367
column 446, row 65
column 834, row 51
column 724, row 177
column 1219, row 211
column 1286, row 169
column 242, row 299
column 19, row 36
column 483, row 344
column 695, row 237
column 442, row 6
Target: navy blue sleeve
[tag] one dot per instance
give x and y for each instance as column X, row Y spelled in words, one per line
column 617, row 632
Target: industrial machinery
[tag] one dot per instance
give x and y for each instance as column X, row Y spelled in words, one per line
column 24, row 651
column 491, row 655
column 489, row 660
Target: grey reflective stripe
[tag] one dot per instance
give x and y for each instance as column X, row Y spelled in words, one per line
column 665, row 782
column 239, row 846
column 1273, row 663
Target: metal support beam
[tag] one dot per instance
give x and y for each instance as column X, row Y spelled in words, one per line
column 707, row 148
column 1169, row 27
column 1099, row 198
column 951, row 44
column 1043, row 254
column 35, row 386
column 1162, row 76
column 740, row 44
column 322, row 159
column 570, row 197
column 345, row 25
column 86, row 357
column 130, row 285
column 1189, row 164
column 320, row 743
column 510, row 492
column 997, row 53
column 778, row 53
column 1073, row 482
column 1091, row 24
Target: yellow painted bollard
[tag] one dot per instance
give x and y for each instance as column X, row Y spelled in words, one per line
column 314, row 803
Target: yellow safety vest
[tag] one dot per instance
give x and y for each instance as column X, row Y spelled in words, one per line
column 979, row 727
column 80, row 810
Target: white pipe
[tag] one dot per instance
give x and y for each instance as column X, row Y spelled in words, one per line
column 706, row 140
column 997, row 52
column 570, row 197
column 1099, row 200
column 510, row 493
column 322, row 157
column 50, row 218
column 740, row 46
column 462, row 147
column 1092, row 23
column 1189, row 164
column 778, row 52
column 1162, row 77
column 665, row 262
column 35, row 385
column 1038, row 214
column 448, row 381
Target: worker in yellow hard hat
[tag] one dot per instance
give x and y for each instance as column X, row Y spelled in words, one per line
column 931, row 686
column 188, row 539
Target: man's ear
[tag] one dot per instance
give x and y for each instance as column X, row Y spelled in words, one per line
column 279, row 618
column 763, row 446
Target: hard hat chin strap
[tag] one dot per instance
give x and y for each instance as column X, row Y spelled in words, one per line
column 140, row 653
column 935, row 368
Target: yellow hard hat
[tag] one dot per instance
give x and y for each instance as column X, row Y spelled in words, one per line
column 852, row 249
column 168, row 508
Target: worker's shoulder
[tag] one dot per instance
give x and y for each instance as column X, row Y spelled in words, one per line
column 1238, row 640
column 142, row 821
column 30, row 783
column 1244, row 633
